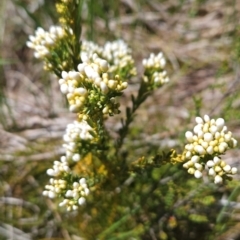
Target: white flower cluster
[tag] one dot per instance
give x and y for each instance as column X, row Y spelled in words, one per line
column 116, row 53
column 154, row 69
column 75, row 196
column 89, row 48
column 88, row 87
column 72, row 197
column 59, row 167
column 43, row 41
column 76, row 134
column 217, row 168
column 119, row 55
column 206, row 143
column 56, row 187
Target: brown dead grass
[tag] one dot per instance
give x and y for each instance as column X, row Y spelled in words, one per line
column 197, row 47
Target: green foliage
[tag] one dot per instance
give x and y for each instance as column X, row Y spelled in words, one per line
column 131, row 195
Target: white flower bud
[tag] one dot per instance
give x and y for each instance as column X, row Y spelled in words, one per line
column 84, row 57
column 81, row 91
column 227, row 137
column 211, row 172
column 188, row 154
column 217, row 169
column 217, row 135
column 124, row 85
column 51, row 172
column 66, row 169
column 64, row 88
column 197, row 174
column 30, row 44
column 104, row 87
column 199, row 120
column 65, row 75
column 189, row 147
column 185, row 165
column 76, row 157
column 73, row 75
column 51, row 194
column 73, row 108
column 195, row 138
column 208, row 137
column 89, row 71
column 37, row 55
column 204, row 144
column 206, row 118
column 218, row 179
column 222, row 148
column 200, row 149
column 195, row 159
column 87, row 191
column 112, row 83
column 210, row 163
column 234, row 170
column 74, row 207
column 200, row 134
column 220, row 123
column 189, row 136
column 198, row 166
column 69, row 193
column 190, row 163
column 45, row 193
column 49, row 40
column 216, row 160
column 213, row 129
column 234, row 142
column 81, row 67
column 205, row 128
column 224, row 130
column 191, row 170
column 197, row 128
column 103, row 65
column 210, row 150
column 32, row 38
column 227, row 168
column 144, row 62
column 81, row 200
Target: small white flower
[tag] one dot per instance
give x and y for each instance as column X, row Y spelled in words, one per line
column 195, row 159
column 210, row 163
column 227, row 168
column 189, row 136
column 218, row 179
column 208, row 137
column 51, row 194
column 197, row 174
column 234, row 170
column 216, row 160
column 211, row 172
column 81, row 200
column 220, row 123
column 210, row 150
column 198, row 166
column 199, row 120
column 206, row 118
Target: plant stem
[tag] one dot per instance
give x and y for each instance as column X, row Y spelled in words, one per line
column 143, row 93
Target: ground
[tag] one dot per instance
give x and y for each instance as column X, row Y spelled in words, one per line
column 201, row 45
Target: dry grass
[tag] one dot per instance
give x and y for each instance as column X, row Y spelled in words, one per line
column 198, row 40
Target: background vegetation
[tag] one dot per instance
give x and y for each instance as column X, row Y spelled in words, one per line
column 201, row 42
